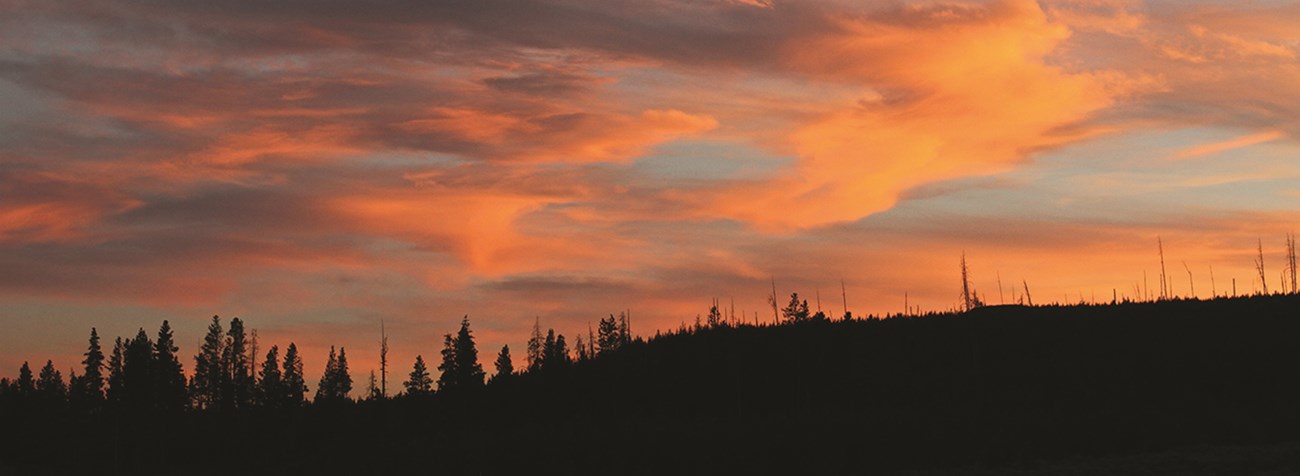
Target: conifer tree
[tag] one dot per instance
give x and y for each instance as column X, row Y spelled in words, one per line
column 796, row 311
column 535, row 346
column 90, row 387
column 582, row 349
column 237, row 371
column 270, row 391
column 505, row 367
column 561, row 356
column 548, row 351
column 372, row 387
column 383, row 361
column 115, row 377
column 342, row 379
column 624, row 328
column 169, row 377
column 715, row 316
column 205, row 386
column 50, row 387
column 419, row 383
column 609, row 334
column 25, row 386
column 469, row 373
column 326, row 387
column 447, row 379
column 295, row 385
column 138, row 371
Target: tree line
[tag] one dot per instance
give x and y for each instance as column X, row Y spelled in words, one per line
column 144, row 374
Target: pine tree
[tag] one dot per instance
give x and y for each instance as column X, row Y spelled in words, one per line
column 715, row 316
column 295, row 385
column 447, row 379
column 90, row 387
column 205, row 386
column 326, row 387
column 420, row 383
column 342, row 379
column 115, row 391
column 372, row 388
column 236, row 369
column 561, row 356
column 138, row 371
column 469, row 373
column 505, row 368
column 383, row 361
column 535, row 346
column 624, row 328
column 548, row 359
column 270, row 390
column 796, row 311
column 25, row 386
column 50, row 388
column 169, row 377
column 609, row 334
column 582, row 349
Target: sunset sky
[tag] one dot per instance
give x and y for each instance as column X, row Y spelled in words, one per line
column 315, row 167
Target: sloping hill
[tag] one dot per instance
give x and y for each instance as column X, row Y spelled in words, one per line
column 996, row 387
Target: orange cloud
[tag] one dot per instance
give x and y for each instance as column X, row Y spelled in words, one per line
column 949, row 92
column 1227, row 145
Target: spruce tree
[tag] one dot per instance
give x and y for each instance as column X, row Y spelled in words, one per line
column 169, row 377
column 326, row 387
column 236, row 367
column 270, row 391
column 50, row 388
column 535, row 346
column 342, row 379
column 372, row 387
column 561, row 356
column 138, row 371
column 116, row 379
column 90, row 387
column 447, row 380
column 25, row 386
column 796, row 311
column 610, row 336
column 295, row 385
column 420, row 383
column 469, row 373
column 505, row 368
column 548, row 350
column 205, row 386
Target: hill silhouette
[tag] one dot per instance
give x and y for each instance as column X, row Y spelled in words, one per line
column 996, row 387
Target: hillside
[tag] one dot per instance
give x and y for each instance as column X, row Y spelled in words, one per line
column 998, row 387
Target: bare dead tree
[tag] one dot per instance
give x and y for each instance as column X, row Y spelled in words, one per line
column 965, row 283
column 1028, row 298
column 1191, row 282
column 1291, row 259
column 1164, row 280
column 844, row 294
column 776, row 318
column 1259, row 266
column 1002, row 299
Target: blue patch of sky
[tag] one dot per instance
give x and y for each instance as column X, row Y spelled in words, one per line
column 702, row 160
column 1132, row 177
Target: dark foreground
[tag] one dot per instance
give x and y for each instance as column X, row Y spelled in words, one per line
column 1184, row 387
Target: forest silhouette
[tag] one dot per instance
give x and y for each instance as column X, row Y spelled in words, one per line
column 995, row 386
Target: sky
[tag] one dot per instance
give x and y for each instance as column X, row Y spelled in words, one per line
column 318, row 168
